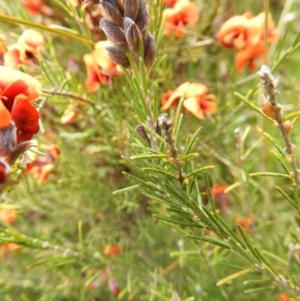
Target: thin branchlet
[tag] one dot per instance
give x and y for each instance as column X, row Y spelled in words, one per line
column 269, row 82
column 165, row 125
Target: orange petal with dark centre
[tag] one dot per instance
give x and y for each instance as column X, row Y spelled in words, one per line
column 26, row 119
column 5, row 117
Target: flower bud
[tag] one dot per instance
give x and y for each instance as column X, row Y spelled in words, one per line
column 131, row 8
column 268, row 109
column 150, row 49
column 143, row 18
column 288, row 126
column 9, row 149
column 118, row 56
column 141, row 131
column 4, row 171
column 133, row 36
column 162, row 121
column 114, row 33
column 111, row 13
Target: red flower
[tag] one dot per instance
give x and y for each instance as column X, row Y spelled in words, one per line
column 111, row 250
column 180, row 14
column 36, row 7
column 18, row 117
column 197, row 101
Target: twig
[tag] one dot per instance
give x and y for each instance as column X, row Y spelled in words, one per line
column 70, row 95
column 269, row 82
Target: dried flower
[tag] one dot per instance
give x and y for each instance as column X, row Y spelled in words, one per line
column 197, row 101
column 69, row 115
column 181, row 14
column 246, row 34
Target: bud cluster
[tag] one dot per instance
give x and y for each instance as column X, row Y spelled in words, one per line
column 126, row 27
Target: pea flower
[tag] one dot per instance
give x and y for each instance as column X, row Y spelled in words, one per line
column 26, row 50
column 36, row 7
column 246, row 34
column 99, row 66
column 245, row 223
column 19, row 119
column 8, row 215
column 221, row 197
column 180, row 14
column 42, row 166
column 197, row 101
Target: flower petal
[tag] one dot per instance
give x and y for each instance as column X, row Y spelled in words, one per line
column 26, row 118
column 192, row 105
column 5, row 117
column 9, row 76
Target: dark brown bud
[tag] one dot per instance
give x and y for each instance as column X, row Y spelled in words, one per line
column 141, row 131
column 127, row 23
column 4, row 171
column 118, row 56
column 111, row 13
column 133, row 36
column 149, row 48
column 131, row 8
column 143, row 17
column 113, row 33
column 9, row 149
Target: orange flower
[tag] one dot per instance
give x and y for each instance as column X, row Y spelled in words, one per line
column 100, row 68
column 111, row 250
column 8, row 215
column 220, row 196
column 197, row 101
column 245, row 223
column 170, row 3
column 41, row 167
column 3, row 48
column 19, row 120
column 178, row 16
column 246, row 33
column 9, row 247
column 283, row 297
column 36, row 7
column 26, row 50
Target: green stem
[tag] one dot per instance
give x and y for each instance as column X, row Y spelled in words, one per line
column 66, row 34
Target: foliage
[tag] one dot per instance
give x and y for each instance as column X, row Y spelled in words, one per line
column 134, row 203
